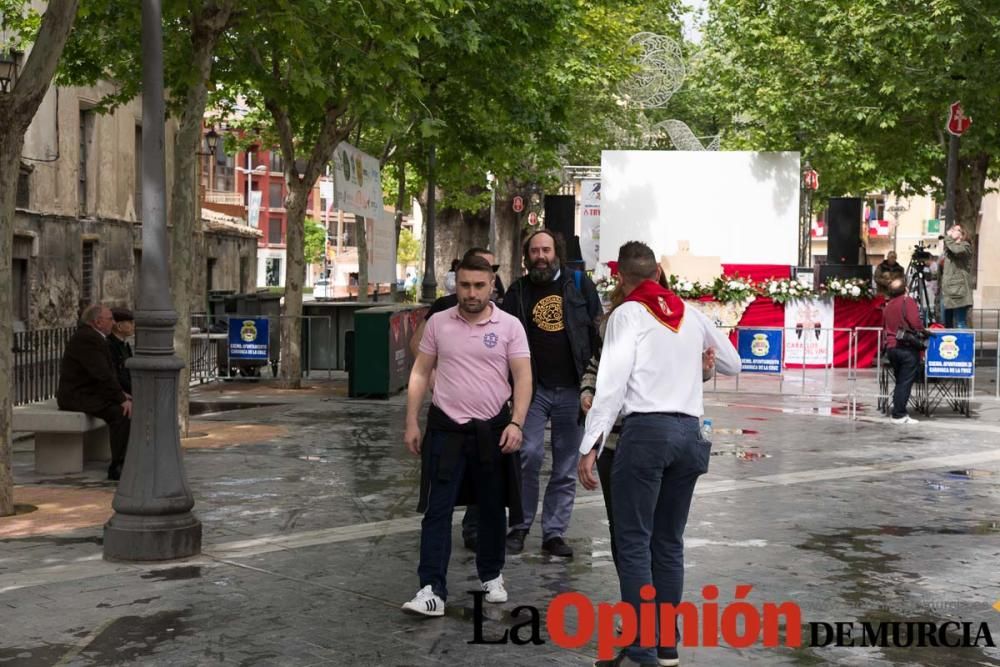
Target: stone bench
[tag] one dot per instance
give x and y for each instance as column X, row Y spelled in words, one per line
column 63, row 439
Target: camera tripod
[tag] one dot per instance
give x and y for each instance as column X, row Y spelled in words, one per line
column 916, row 288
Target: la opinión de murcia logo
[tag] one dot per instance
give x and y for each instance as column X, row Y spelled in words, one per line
column 738, row 624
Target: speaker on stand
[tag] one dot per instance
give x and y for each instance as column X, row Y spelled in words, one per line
column 843, row 225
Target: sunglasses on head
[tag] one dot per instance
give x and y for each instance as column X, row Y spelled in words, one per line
column 495, row 267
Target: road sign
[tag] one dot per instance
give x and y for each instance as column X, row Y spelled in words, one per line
column 958, row 122
column 532, row 218
column 810, row 178
column 517, row 204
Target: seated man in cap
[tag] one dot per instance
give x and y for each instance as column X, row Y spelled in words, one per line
column 88, row 382
column 121, row 349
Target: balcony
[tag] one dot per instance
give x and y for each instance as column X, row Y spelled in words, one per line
column 222, row 197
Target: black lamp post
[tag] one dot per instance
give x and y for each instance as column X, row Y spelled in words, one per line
column 211, row 141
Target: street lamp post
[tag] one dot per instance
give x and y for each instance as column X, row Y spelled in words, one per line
column 153, row 519
column 491, row 183
column 8, row 70
column 429, row 285
column 810, row 183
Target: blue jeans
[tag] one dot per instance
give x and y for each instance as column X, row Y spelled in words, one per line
column 657, row 463
column 956, row 318
column 435, row 529
column 562, row 406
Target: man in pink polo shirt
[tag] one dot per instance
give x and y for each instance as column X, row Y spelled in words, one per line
column 469, row 452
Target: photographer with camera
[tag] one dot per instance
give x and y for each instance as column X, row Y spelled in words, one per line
column 903, row 333
column 956, row 280
column 887, row 271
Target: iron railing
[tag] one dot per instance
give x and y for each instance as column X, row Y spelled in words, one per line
column 37, row 354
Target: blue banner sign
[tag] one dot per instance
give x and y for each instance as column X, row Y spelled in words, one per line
column 248, row 338
column 951, row 354
column 760, row 350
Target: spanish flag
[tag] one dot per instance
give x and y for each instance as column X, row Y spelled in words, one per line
column 664, row 305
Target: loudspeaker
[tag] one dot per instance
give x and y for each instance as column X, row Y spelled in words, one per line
column 843, row 230
column 827, row 271
column 560, row 214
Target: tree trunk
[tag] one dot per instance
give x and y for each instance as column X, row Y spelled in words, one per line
column 969, row 191
column 295, row 278
column 10, row 164
column 184, row 205
column 361, row 229
column 17, row 108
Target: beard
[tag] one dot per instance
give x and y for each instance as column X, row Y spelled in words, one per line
column 542, row 272
column 472, row 306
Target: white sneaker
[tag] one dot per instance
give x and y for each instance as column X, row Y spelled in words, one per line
column 495, row 592
column 426, row 603
column 905, row 419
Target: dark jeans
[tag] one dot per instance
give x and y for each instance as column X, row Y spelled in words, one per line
column 605, row 463
column 119, row 427
column 956, row 318
column 656, row 465
column 905, row 366
column 435, row 529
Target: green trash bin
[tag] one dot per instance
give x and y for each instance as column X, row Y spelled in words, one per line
column 382, row 357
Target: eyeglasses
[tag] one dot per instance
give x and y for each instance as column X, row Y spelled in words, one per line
column 495, row 267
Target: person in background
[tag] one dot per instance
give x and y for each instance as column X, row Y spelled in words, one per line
column 449, row 278
column 560, row 310
column 888, row 270
column 88, row 382
column 121, row 350
column 901, row 313
column 956, row 278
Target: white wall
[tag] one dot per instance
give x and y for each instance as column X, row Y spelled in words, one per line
column 740, row 206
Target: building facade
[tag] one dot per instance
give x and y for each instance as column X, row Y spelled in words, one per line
column 77, row 225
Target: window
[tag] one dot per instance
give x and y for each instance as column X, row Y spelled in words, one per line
column 322, row 204
column 87, row 273
column 244, row 274
column 276, row 163
column 21, row 252
column 275, row 199
column 86, row 141
column 210, row 274
column 138, row 172
column 349, row 239
column 272, row 271
column 225, row 172
column 274, row 231
column 23, row 196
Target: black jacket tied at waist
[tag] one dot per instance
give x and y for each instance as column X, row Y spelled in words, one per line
column 487, row 434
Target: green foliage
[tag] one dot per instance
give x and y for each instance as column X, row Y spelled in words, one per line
column 861, row 88
column 315, row 242
column 408, row 251
column 20, row 23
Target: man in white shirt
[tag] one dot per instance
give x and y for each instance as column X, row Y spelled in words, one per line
column 651, row 372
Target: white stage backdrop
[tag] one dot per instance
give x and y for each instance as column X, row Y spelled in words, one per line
column 740, row 206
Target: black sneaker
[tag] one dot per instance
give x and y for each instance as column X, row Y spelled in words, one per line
column 114, row 472
column 556, row 546
column 515, row 540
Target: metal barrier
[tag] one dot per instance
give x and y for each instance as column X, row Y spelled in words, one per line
column 802, row 378
column 37, row 355
column 853, row 384
column 210, row 358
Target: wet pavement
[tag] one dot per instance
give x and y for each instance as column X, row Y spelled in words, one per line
column 310, row 542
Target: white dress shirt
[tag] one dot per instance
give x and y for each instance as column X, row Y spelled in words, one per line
column 646, row 367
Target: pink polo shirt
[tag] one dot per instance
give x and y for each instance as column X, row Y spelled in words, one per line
column 473, row 361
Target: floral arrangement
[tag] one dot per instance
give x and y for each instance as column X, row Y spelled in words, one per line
column 733, row 289
column 849, row 288
column 785, row 289
column 687, row 289
column 727, row 289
